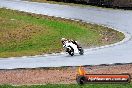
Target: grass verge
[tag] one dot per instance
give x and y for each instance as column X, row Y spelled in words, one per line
column 71, row 86
column 30, row 34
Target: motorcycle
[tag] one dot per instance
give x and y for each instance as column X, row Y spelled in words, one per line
column 71, row 48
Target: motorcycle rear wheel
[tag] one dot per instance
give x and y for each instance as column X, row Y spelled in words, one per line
column 81, row 51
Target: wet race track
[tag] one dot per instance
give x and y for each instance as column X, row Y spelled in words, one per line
column 120, row 20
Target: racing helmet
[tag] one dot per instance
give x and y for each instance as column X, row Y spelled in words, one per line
column 63, row 39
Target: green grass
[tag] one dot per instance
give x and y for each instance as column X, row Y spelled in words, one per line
column 71, row 86
column 30, row 34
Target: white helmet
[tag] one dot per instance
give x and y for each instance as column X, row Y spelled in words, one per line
column 63, row 39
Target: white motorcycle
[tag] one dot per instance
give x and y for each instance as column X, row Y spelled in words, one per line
column 72, row 48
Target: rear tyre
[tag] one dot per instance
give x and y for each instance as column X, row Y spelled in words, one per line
column 81, row 51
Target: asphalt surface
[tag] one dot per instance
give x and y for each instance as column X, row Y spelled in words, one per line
column 120, row 20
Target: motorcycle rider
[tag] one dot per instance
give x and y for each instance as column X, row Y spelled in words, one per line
column 73, row 46
column 64, row 40
column 74, row 42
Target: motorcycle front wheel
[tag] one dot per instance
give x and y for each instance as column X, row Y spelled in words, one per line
column 71, row 53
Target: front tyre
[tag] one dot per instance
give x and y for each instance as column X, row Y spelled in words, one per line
column 71, row 51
